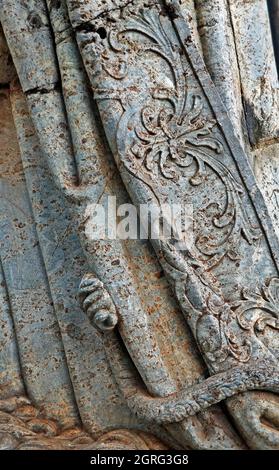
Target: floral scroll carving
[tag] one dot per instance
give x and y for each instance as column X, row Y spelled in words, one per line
column 176, row 134
column 264, row 306
column 167, row 136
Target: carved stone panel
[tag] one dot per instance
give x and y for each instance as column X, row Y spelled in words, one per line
column 121, row 343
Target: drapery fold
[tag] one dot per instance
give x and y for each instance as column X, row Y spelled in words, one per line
column 11, row 382
column 41, row 354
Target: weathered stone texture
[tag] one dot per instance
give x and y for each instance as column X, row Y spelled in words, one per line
column 109, row 343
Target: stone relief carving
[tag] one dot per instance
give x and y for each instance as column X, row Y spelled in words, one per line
column 187, row 402
column 169, row 139
column 170, row 136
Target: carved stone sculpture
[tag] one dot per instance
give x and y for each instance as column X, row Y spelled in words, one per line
column 138, row 344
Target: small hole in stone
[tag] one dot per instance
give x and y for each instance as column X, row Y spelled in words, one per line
column 56, row 4
column 34, row 20
column 102, row 32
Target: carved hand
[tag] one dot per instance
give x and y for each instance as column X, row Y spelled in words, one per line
column 97, row 303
